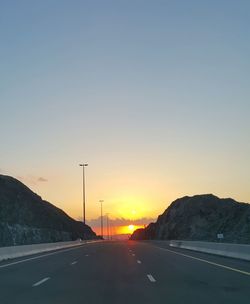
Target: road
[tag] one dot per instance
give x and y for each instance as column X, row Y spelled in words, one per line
column 124, row 272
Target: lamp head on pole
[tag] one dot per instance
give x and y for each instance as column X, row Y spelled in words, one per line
column 83, row 165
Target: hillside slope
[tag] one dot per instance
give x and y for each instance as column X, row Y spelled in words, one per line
column 200, row 218
column 27, row 219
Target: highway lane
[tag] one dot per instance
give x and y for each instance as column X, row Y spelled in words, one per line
column 125, row 272
column 188, row 276
column 103, row 273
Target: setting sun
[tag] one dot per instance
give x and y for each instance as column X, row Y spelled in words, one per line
column 131, row 228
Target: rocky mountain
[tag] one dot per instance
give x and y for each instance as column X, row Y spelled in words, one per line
column 200, row 218
column 27, row 219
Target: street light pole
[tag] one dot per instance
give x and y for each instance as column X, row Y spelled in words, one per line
column 83, row 191
column 101, row 201
column 108, row 226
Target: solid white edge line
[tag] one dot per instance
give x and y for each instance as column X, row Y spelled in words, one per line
column 151, row 278
column 40, row 282
column 206, row 261
column 73, row 263
column 44, row 255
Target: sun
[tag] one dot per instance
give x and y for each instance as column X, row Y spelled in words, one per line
column 131, row 228
column 128, row 229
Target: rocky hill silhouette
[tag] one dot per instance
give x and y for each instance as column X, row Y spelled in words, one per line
column 200, row 218
column 27, row 219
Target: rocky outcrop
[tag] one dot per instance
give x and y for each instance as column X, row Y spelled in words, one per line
column 27, row 219
column 200, row 218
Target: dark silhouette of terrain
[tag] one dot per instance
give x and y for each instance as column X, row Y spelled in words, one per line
column 27, row 219
column 200, row 218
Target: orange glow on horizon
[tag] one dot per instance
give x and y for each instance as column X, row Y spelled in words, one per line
column 117, row 230
column 129, row 229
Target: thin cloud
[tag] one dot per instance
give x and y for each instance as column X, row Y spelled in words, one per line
column 32, row 180
column 121, row 221
column 42, row 179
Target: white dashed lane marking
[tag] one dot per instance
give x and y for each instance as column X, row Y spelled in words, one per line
column 40, row 282
column 151, row 278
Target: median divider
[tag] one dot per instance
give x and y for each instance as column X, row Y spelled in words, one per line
column 238, row 251
column 24, row 250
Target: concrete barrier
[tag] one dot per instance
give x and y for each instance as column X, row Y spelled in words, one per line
column 238, row 251
column 24, row 250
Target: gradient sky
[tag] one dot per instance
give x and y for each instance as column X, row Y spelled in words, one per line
column 154, row 95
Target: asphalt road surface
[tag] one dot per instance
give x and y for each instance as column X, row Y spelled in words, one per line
column 124, row 272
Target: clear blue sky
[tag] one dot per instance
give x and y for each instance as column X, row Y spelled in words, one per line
column 155, row 95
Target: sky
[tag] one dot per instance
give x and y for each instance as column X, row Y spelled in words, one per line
column 153, row 95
